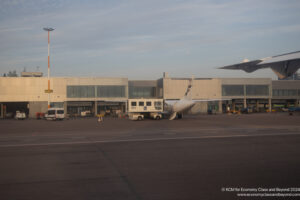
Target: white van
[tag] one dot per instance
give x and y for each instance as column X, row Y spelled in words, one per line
column 55, row 114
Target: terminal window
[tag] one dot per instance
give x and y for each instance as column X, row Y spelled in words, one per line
column 88, row 91
column 257, row 90
column 285, row 92
column 141, row 92
column 111, row 91
column 232, row 90
column 82, row 91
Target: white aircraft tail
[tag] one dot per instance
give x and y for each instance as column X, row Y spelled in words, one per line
column 188, row 93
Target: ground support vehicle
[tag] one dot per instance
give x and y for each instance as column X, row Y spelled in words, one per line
column 138, row 109
column 20, row 115
column 293, row 110
column 136, row 116
column 55, row 114
column 39, row 115
column 156, row 116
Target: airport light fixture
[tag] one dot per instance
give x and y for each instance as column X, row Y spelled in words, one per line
column 48, row 90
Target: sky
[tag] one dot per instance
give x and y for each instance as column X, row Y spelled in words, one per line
column 141, row 39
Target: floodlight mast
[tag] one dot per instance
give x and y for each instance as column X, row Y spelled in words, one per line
column 48, row 91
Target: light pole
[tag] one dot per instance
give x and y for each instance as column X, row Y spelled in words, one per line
column 48, row 90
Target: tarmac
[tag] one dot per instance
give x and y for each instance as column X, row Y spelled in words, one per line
column 198, row 157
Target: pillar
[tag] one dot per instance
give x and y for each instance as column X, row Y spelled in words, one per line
column 95, row 104
column 233, row 105
column 96, row 109
column 220, row 107
column 257, row 105
column 66, row 108
column 245, row 96
column 270, row 105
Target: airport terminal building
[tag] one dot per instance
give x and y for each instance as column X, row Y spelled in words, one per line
column 110, row 95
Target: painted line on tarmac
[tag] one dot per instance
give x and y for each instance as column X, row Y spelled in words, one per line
column 170, row 132
column 146, row 140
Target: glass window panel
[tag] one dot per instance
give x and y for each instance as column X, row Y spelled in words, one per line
column 80, row 91
column 275, row 92
column 157, row 105
column 57, row 104
column 141, row 92
column 257, row 90
column 60, row 112
column 232, row 90
column 111, row 91
column 292, row 92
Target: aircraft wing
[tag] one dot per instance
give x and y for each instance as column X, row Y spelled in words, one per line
column 284, row 65
column 205, row 100
column 172, row 102
column 249, row 67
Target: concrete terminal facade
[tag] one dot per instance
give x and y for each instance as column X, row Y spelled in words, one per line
column 110, row 95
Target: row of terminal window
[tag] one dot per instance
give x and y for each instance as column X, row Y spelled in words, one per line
column 148, row 103
column 286, row 92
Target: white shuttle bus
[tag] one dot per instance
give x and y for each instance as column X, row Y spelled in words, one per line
column 138, row 109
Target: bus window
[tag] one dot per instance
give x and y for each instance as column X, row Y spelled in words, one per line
column 157, row 105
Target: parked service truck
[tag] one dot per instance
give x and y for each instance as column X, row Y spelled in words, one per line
column 138, row 109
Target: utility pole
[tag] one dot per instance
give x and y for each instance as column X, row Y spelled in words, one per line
column 48, row 90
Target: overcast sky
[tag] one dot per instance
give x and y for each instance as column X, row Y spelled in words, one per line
column 141, row 39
